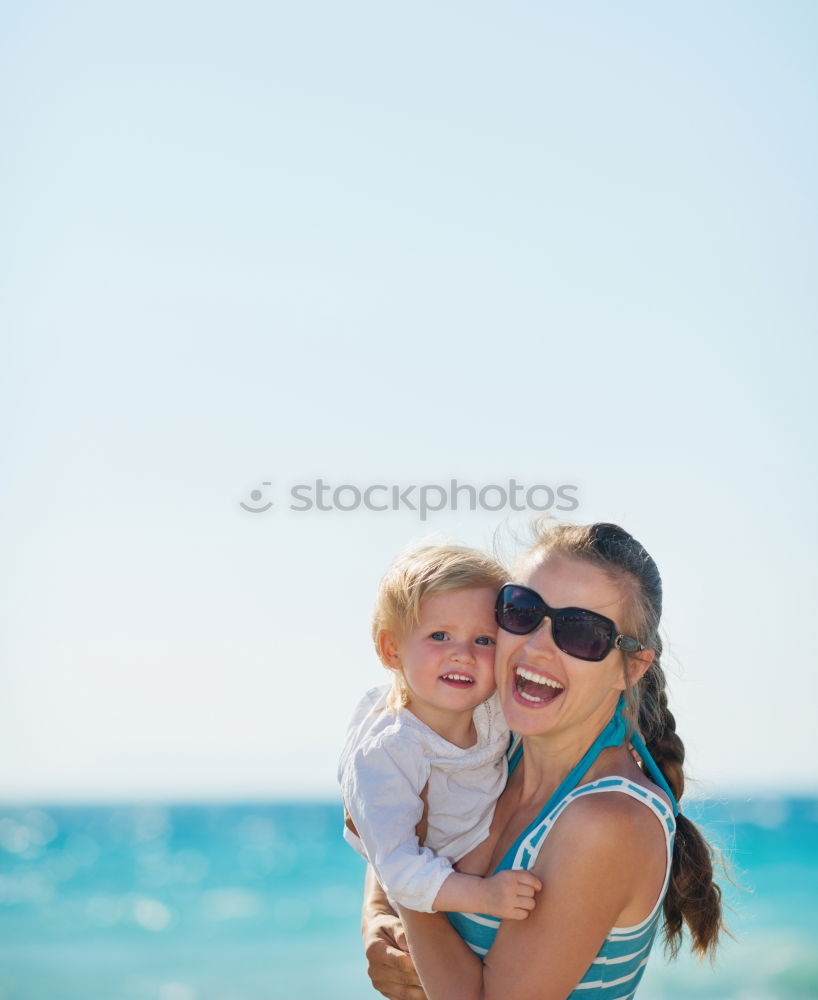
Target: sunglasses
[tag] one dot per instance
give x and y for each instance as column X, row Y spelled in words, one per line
column 582, row 634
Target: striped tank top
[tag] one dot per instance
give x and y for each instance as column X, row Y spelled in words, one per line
column 618, row 967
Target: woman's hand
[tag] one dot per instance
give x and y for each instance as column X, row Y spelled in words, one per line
column 390, row 966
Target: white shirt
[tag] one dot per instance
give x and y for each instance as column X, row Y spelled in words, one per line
column 388, row 758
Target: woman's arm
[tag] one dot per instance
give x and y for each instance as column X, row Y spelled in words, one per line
column 448, row 968
column 390, row 966
column 595, row 859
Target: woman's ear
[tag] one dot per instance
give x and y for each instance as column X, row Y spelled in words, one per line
column 638, row 664
column 388, row 650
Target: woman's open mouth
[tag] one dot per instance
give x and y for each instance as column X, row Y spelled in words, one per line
column 532, row 688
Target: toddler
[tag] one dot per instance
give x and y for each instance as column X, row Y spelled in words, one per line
column 438, row 728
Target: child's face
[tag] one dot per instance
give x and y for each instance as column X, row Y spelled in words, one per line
column 447, row 659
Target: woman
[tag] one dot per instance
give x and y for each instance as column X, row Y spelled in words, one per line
column 578, row 657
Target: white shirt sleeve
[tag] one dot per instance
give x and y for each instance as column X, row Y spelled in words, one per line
column 381, row 785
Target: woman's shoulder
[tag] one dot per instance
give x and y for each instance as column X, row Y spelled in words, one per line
column 601, row 813
column 611, row 817
column 634, row 787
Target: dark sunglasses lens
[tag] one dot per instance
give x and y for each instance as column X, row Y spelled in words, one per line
column 518, row 610
column 583, row 635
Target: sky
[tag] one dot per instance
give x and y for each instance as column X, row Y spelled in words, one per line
column 248, row 247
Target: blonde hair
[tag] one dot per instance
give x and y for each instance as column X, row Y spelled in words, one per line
column 417, row 574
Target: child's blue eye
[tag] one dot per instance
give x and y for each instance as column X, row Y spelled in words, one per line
column 484, row 640
column 438, row 635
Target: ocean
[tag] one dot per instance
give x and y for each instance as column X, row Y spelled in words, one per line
column 261, row 901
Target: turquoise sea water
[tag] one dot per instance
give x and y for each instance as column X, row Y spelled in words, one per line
column 262, row 901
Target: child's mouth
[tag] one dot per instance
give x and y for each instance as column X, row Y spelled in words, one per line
column 535, row 689
column 458, row 680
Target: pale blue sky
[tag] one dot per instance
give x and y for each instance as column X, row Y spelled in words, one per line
column 570, row 243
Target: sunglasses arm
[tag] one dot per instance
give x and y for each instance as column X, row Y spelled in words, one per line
column 628, row 644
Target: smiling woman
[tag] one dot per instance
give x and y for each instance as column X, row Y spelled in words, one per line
column 601, row 833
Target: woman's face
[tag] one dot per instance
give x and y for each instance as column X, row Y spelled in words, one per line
column 544, row 690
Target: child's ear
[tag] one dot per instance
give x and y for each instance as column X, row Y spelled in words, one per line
column 388, row 650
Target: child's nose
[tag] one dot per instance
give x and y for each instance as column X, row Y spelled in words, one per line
column 462, row 652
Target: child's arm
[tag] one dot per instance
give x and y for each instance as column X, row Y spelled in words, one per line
column 508, row 894
column 382, row 786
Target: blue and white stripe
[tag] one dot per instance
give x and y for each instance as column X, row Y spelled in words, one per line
column 616, row 971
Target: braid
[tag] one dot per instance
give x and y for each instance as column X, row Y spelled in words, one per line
column 658, row 725
column 693, row 898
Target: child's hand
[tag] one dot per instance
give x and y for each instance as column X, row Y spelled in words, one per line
column 510, row 894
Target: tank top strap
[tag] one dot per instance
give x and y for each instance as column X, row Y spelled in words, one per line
column 529, row 846
column 612, row 735
column 618, row 783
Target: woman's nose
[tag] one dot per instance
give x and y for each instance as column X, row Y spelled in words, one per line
column 541, row 640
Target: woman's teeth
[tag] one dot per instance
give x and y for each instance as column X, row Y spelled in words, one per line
column 538, row 678
column 532, row 687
